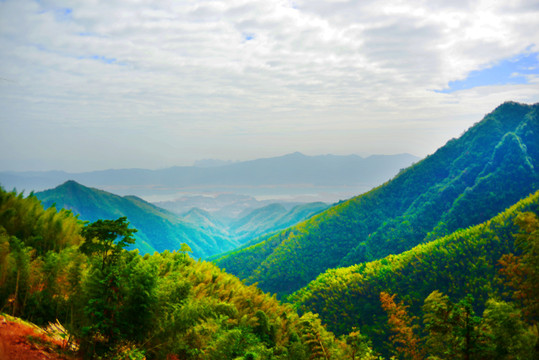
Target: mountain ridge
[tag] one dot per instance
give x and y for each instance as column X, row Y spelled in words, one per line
column 288, row 173
column 402, row 212
column 158, row 229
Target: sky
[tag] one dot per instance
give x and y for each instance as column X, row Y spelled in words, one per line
column 98, row 84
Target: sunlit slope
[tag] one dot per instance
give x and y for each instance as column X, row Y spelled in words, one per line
column 467, row 181
column 163, row 306
column 464, row 262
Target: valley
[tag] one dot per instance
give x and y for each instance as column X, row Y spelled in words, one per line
column 439, row 260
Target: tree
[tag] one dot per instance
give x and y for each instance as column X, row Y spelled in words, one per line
column 315, row 337
column 522, row 271
column 105, row 289
column 465, row 328
column 509, row 336
column 439, row 341
column 406, row 342
column 107, row 239
column 358, row 346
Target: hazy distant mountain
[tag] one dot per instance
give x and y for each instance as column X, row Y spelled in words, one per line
column 271, row 218
column 212, row 163
column 290, row 174
column 158, row 229
column 227, row 207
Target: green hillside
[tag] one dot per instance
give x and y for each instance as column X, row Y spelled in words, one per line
column 465, row 262
column 116, row 304
column 158, row 229
column 271, row 218
column 470, row 179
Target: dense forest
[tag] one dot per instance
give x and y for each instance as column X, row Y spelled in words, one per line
column 469, row 180
column 118, row 304
column 470, row 265
column 441, row 262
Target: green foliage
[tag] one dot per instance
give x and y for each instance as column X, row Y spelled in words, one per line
column 508, row 335
column 465, row 262
column 107, row 239
column 117, row 303
column 466, row 182
column 158, row 229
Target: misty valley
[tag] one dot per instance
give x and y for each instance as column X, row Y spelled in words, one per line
column 292, row 257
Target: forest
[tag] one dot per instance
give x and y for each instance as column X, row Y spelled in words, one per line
column 440, row 262
column 118, row 304
column 466, row 182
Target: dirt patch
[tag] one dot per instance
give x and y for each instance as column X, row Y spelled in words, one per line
column 22, row 341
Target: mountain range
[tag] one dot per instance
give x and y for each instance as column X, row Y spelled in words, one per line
column 470, row 179
column 321, row 178
column 160, row 229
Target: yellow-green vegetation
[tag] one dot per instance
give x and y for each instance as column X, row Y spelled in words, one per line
column 469, row 180
column 466, row 263
column 53, row 266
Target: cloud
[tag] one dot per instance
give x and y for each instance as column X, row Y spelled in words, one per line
column 239, row 79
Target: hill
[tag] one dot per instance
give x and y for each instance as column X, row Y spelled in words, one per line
column 117, row 304
column 470, row 179
column 464, row 262
column 271, row 218
column 158, row 229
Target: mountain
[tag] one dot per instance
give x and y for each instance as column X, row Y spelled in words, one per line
column 289, row 175
column 108, row 303
column 158, row 229
column 271, row 218
column 226, row 207
column 470, row 179
column 464, row 262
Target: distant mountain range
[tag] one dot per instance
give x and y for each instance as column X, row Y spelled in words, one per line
column 160, row 229
column 289, row 175
column 467, row 181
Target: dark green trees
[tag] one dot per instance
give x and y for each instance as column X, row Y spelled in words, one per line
column 106, row 239
column 469, row 180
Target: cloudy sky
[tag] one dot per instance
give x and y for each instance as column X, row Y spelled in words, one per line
column 95, row 84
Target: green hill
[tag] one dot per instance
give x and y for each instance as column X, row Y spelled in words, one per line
column 470, row 179
column 465, row 262
column 110, row 303
column 158, row 229
column 271, row 218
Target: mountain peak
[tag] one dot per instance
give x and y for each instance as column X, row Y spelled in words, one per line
column 296, row 154
column 70, row 184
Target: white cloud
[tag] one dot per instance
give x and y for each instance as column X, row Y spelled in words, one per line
column 241, row 79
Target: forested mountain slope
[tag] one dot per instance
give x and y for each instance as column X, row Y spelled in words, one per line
column 116, row 304
column 158, row 229
column 470, row 179
column 465, row 262
column 272, row 217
